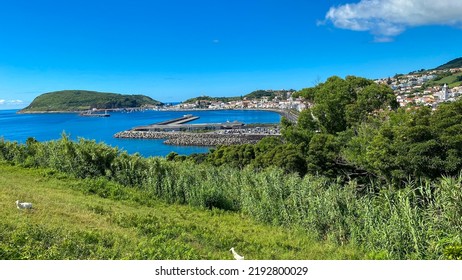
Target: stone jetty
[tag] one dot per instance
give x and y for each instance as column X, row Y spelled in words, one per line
column 175, row 133
column 194, row 139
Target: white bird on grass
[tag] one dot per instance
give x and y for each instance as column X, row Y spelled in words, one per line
column 236, row 255
column 23, row 205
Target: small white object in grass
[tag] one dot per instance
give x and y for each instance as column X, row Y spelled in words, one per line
column 23, row 205
column 236, row 255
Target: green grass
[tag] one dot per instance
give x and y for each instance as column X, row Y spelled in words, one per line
column 452, row 81
column 71, row 220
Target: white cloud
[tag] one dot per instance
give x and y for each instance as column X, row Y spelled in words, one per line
column 388, row 18
column 16, row 101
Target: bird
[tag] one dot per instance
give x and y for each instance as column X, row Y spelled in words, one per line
column 23, row 205
column 236, row 255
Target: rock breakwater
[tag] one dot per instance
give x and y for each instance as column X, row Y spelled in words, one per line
column 193, row 139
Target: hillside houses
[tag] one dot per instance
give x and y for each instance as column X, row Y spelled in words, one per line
column 280, row 101
column 416, row 88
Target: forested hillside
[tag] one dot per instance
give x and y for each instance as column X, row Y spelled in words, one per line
column 455, row 63
column 209, row 98
column 257, row 94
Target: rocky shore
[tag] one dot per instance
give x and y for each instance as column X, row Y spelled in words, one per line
column 193, row 139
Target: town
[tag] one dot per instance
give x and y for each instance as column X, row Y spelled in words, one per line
column 418, row 88
column 427, row 88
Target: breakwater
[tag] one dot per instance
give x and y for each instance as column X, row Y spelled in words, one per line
column 184, row 119
column 193, row 139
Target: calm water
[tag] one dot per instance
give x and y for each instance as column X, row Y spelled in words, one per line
column 44, row 127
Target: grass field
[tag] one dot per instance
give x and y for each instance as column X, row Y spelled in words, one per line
column 453, row 80
column 69, row 222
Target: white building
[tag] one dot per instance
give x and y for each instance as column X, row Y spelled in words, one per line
column 444, row 93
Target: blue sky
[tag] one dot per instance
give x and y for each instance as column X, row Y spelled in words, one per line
column 172, row 50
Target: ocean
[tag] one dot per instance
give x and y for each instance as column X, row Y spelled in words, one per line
column 45, row 127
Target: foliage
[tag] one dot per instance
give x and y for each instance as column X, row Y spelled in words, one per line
column 421, row 220
column 314, row 144
column 75, row 100
column 270, row 94
column 354, row 130
column 341, row 103
column 209, row 98
column 409, row 143
column 268, row 152
column 258, row 94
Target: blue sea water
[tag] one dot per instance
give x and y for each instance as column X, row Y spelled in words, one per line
column 45, row 127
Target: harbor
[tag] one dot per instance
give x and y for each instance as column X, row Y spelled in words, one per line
column 178, row 132
column 181, row 125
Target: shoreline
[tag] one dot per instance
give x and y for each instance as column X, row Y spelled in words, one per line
column 20, row 111
column 276, row 110
column 48, row 112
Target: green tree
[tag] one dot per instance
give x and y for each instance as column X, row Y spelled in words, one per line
column 369, row 100
column 323, row 154
column 330, row 101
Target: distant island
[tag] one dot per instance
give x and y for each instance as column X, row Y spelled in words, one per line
column 81, row 100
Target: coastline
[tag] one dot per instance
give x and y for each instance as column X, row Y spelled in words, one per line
column 48, row 112
column 21, row 111
column 291, row 116
column 276, row 110
column 159, row 109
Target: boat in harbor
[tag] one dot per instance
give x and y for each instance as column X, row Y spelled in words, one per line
column 94, row 113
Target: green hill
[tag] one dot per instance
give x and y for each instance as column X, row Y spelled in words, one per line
column 209, row 98
column 455, row 63
column 257, row 94
column 78, row 100
column 448, row 78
